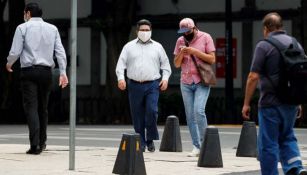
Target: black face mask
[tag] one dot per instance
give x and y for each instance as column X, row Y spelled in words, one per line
column 189, row 37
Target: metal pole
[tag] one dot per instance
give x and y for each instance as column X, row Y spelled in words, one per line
column 229, row 63
column 73, row 55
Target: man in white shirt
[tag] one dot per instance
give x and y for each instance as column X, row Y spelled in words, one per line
column 143, row 58
column 36, row 42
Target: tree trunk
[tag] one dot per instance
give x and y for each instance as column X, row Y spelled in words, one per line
column 117, row 31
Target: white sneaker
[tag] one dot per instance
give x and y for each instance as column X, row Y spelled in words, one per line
column 194, row 153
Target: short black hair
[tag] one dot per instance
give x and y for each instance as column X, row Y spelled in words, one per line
column 143, row 22
column 272, row 21
column 34, row 9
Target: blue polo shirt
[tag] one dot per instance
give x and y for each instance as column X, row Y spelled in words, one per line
column 266, row 62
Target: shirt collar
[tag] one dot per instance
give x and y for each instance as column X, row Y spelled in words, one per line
column 141, row 42
column 35, row 19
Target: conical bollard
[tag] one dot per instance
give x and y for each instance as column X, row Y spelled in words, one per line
column 247, row 146
column 210, row 152
column 130, row 160
column 171, row 139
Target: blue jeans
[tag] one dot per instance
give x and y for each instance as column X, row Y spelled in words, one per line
column 276, row 139
column 143, row 98
column 195, row 97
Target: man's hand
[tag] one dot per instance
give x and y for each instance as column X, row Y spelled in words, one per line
column 299, row 111
column 245, row 112
column 9, row 67
column 188, row 50
column 163, row 85
column 63, row 81
column 121, row 84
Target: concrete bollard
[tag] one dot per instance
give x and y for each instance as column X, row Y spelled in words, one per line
column 171, row 139
column 210, row 152
column 247, row 146
column 130, row 160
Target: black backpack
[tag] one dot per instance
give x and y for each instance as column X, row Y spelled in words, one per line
column 292, row 85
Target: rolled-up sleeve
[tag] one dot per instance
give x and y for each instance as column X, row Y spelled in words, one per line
column 209, row 45
column 17, row 46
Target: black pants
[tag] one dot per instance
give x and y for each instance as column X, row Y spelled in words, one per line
column 36, row 86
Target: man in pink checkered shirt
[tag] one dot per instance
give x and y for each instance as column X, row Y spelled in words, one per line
column 194, row 93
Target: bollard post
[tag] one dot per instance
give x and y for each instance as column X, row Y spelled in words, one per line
column 130, row 158
column 210, row 152
column 247, row 146
column 171, row 139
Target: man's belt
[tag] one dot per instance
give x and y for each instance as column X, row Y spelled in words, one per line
column 141, row 82
column 36, row 67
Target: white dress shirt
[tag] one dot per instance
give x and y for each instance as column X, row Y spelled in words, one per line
column 143, row 61
column 36, row 42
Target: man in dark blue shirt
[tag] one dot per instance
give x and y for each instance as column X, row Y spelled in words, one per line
column 276, row 139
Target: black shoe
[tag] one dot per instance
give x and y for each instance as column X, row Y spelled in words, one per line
column 143, row 148
column 43, row 147
column 34, row 150
column 296, row 171
column 302, row 172
column 151, row 146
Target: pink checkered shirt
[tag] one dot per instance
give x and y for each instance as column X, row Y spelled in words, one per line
column 202, row 42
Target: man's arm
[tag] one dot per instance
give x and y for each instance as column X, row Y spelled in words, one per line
column 166, row 69
column 120, row 69
column 207, row 57
column 178, row 58
column 16, row 49
column 60, row 54
column 164, row 65
column 251, row 85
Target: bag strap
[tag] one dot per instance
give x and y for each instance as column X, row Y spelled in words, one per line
column 192, row 56
column 279, row 46
column 276, row 43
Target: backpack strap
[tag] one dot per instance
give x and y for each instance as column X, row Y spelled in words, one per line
column 276, row 43
column 279, row 46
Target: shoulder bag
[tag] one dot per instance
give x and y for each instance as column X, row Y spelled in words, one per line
column 205, row 71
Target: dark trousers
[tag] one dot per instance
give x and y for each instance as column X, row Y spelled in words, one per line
column 143, row 98
column 36, row 86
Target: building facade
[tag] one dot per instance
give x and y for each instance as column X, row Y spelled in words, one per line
column 92, row 57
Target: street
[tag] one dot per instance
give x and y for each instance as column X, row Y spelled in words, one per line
column 103, row 140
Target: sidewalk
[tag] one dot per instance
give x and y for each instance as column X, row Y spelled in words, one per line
column 100, row 160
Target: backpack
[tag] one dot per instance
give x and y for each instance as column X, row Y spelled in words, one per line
column 292, row 85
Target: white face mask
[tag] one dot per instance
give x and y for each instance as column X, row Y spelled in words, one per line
column 144, row 35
